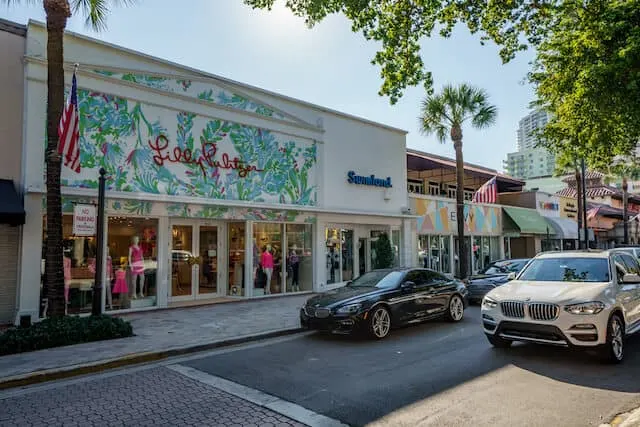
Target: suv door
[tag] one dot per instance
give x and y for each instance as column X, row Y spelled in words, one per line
column 633, row 309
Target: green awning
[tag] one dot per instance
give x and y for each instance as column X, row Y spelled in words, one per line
column 525, row 221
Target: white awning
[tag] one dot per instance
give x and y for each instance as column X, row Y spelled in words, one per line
column 565, row 228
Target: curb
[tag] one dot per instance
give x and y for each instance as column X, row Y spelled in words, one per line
column 132, row 359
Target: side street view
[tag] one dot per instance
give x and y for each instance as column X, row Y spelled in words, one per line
column 223, row 215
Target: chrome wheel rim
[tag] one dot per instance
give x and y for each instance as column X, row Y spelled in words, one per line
column 616, row 339
column 381, row 323
column 456, row 308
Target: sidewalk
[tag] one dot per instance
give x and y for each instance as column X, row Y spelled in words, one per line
column 159, row 334
column 628, row 419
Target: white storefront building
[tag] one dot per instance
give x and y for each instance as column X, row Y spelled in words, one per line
column 215, row 189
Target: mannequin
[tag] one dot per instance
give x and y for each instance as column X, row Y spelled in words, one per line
column 266, row 259
column 294, row 264
column 120, row 287
column 136, row 263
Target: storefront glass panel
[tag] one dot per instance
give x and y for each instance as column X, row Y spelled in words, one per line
column 494, row 243
column 299, row 260
column 268, row 278
column 395, row 245
column 347, row 254
column 236, row 259
column 445, row 256
column 423, row 251
column 132, row 262
column 333, row 245
column 208, row 260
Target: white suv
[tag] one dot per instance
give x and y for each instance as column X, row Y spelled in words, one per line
column 586, row 299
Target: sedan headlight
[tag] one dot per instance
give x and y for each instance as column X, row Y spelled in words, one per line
column 349, row 309
column 489, row 303
column 593, row 307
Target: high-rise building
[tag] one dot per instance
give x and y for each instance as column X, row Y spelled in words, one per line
column 530, row 161
column 527, row 127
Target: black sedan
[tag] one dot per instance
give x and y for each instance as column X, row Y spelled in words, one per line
column 495, row 274
column 381, row 299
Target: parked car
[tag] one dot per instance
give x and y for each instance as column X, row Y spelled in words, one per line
column 495, row 274
column 379, row 300
column 582, row 299
column 633, row 250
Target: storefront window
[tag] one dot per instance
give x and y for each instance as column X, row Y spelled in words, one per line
column 79, row 256
column 347, row 254
column 299, row 260
column 236, row 259
column 494, row 243
column 132, row 263
column 507, row 247
column 395, row 244
column 445, row 256
column 423, row 252
column 268, row 277
column 333, row 247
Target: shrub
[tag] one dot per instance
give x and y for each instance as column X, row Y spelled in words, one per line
column 61, row 331
column 384, row 252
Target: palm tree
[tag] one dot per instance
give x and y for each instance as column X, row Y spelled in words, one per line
column 624, row 168
column 58, row 12
column 443, row 114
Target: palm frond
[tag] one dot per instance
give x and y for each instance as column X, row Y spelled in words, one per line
column 96, row 11
column 434, row 118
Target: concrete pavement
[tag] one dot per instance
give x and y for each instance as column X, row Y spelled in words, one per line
column 159, row 334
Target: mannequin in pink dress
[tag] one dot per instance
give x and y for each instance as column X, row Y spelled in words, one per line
column 136, row 263
column 266, row 259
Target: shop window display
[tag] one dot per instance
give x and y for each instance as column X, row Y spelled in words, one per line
column 236, row 258
column 268, row 273
column 395, row 244
column 333, row 244
column 347, row 255
column 132, row 263
column 78, row 267
column 299, row 260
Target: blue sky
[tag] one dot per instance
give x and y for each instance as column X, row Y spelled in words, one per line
column 327, row 65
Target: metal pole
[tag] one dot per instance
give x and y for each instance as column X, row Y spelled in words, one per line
column 96, row 308
column 584, row 203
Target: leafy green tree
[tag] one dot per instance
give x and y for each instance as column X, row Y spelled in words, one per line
column 400, row 26
column 587, row 75
column 384, row 252
column 444, row 114
column 58, row 12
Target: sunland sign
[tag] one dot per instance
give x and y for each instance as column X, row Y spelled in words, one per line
column 370, row 180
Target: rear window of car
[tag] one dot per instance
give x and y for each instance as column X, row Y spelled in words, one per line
column 565, row 269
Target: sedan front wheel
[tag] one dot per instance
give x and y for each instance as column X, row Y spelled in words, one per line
column 379, row 323
column 455, row 313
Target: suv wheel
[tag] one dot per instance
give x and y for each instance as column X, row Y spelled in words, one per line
column 498, row 342
column 613, row 351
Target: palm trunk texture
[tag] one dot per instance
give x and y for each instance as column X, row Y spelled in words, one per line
column 579, row 197
column 462, row 247
column 57, row 11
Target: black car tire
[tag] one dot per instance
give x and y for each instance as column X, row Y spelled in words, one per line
column 379, row 323
column 498, row 342
column 613, row 350
column 455, row 309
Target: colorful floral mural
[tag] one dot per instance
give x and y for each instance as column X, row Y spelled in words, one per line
column 197, row 89
column 439, row 217
column 149, row 149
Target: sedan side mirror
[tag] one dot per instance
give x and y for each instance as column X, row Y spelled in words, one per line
column 631, row 278
column 408, row 286
column 511, row 276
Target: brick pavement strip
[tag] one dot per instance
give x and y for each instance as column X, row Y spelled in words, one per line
column 155, row 396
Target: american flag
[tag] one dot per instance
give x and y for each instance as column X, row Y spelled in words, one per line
column 488, row 193
column 69, row 130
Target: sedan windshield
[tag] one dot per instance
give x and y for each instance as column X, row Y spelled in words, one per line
column 503, row 267
column 567, row 270
column 377, row 279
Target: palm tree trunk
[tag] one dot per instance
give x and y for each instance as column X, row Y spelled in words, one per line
column 579, row 197
column 625, row 210
column 57, row 13
column 462, row 247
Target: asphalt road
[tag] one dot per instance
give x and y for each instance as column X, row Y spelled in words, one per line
column 436, row 374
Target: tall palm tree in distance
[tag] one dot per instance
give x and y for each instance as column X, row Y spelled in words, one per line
column 444, row 114
column 58, row 12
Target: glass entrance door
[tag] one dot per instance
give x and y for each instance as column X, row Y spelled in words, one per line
column 195, row 266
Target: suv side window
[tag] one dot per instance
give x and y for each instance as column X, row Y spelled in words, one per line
column 632, row 263
column 620, row 266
